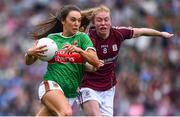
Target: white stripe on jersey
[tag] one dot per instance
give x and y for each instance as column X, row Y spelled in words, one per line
column 121, row 27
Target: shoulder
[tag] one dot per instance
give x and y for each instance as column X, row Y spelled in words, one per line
column 121, row 28
column 54, row 35
column 82, row 34
column 92, row 32
column 124, row 32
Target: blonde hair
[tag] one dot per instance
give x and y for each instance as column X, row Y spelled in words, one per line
column 88, row 15
column 91, row 13
column 101, row 8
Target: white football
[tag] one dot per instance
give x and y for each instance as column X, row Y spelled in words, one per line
column 52, row 48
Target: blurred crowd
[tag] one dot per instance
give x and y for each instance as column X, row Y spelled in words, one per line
column 148, row 68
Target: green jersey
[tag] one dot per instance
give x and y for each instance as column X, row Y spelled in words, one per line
column 68, row 69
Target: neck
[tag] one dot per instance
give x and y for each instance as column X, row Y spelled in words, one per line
column 103, row 36
column 66, row 33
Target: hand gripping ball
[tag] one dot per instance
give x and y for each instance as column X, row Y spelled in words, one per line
column 52, row 48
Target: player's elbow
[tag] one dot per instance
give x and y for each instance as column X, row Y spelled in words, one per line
column 137, row 32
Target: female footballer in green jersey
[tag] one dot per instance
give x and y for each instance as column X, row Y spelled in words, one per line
column 65, row 70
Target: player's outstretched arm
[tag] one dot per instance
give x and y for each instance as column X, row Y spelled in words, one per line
column 150, row 32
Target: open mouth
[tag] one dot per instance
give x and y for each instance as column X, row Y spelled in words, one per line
column 103, row 29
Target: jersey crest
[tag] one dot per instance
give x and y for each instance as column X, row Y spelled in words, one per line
column 114, row 47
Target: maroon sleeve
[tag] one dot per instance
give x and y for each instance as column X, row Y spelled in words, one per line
column 126, row 32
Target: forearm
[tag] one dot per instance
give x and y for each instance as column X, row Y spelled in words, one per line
column 91, row 57
column 89, row 67
column 29, row 59
column 146, row 32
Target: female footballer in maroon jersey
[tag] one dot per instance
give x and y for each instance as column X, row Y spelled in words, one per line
column 98, row 88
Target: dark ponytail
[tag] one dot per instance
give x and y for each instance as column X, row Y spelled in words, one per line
column 54, row 23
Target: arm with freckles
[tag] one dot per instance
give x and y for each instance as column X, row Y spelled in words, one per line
column 89, row 55
column 91, row 68
column 33, row 53
column 29, row 59
column 150, row 32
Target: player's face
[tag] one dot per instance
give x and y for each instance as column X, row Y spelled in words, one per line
column 102, row 23
column 72, row 23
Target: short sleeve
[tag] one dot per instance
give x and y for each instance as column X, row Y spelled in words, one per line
column 86, row 42
column 126, row 32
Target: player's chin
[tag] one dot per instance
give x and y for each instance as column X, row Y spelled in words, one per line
column 103, row 32
column 74, row 31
